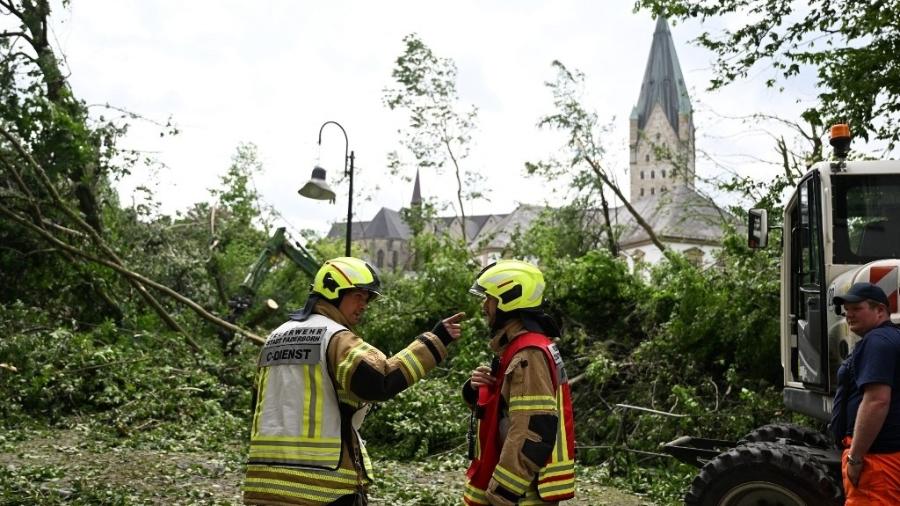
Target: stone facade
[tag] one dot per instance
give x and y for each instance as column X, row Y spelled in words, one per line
column 387, row 254
column 661, row 159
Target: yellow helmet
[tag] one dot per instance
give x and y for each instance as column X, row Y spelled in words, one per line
column 342, row 273
column 515, row 284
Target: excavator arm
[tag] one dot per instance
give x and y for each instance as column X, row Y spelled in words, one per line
column 276, row 246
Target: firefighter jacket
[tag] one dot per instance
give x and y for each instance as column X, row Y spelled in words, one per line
column 524, row 447
column 316, row 378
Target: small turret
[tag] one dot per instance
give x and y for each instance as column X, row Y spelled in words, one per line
column 417, row 193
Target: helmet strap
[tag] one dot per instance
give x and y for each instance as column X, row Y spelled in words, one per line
column 337, row 301
column 501, row 318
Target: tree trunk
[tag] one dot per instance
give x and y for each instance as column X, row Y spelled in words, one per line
column 598, row 171
column 82, row 174
column 459, row 194
column 134, row 276
column 611, row 243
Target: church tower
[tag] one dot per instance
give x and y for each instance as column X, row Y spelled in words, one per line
column 661, row 129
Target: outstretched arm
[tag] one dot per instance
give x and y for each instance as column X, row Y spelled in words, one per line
column 364, row 371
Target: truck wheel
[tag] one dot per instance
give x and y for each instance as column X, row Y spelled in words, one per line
column 775, row 431
column 764, row 474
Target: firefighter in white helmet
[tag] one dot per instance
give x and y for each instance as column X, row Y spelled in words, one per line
column 316, row 380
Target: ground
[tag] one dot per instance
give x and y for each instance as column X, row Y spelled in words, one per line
column 78, row 466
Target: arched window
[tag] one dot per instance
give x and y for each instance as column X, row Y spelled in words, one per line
column 652, row 191
column 663, row 189
column 642, row 192
column 379, row 261
column 394, row 259
column 664, row 173
column 694, row 256
column 642, row 174
column 646, row 158
column 652, row 174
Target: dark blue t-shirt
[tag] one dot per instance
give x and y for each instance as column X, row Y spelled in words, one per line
column 875, row 359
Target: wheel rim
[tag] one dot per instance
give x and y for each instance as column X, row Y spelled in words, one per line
column 761, row 493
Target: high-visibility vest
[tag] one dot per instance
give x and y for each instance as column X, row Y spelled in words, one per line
column 297, row 418
column 556, row 479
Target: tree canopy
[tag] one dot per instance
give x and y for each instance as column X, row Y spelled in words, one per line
column 440, row 128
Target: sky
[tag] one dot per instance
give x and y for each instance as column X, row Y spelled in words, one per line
column 271, row 72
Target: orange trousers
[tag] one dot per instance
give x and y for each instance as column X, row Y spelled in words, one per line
column 879, row 482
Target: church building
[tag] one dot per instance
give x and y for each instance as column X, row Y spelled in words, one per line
column 662, row 168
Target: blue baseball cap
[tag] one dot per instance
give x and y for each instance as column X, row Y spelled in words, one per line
column 860, row 292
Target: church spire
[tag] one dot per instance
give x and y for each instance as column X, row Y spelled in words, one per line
column 663, row 82
column 661, row 128
column 417, row 192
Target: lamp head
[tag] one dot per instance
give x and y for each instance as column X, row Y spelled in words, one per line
column 317, row 188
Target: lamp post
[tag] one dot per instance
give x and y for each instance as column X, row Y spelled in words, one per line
column 317, row 187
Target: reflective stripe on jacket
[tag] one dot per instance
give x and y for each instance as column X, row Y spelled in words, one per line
column 296, row 431
column 360, row 374
column 555, row 480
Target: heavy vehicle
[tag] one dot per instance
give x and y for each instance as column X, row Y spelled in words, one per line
column 840, row 226
column 240, row 302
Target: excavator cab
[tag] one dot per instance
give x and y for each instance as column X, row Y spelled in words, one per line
column 840, row 226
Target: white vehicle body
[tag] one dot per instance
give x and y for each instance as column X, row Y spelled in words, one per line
column 841, row 226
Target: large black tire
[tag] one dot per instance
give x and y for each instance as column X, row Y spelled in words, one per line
column 775, row 431
column 764, row 474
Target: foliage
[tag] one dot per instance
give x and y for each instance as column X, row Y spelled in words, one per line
column 597, row 292
column 76, row 465
column 694, row 306
column 79, row 156
column 416, row 302
column 701, row 344
column 588, row 178
column 82, row 351
column 421, row 421
column 557, row 233
column 234, row 242
column 406, row 427
column 846, row 42
column 136, row 383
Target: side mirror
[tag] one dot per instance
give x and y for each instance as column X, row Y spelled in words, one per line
column 757, row 228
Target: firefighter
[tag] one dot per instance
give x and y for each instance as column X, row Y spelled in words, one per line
column 522, row 434
column 315, row 384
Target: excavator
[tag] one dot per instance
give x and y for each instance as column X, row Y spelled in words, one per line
column 240, row 302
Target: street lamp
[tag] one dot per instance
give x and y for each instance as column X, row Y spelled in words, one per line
column 318, row 189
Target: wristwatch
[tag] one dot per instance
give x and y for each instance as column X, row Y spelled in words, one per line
column 853, row 462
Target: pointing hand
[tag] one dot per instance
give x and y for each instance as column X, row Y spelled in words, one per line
column 448, row 329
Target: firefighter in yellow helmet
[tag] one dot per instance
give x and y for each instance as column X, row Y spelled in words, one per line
column 521, row 440
column 316, row 381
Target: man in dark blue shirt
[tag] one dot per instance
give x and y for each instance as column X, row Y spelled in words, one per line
column 866, row 414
